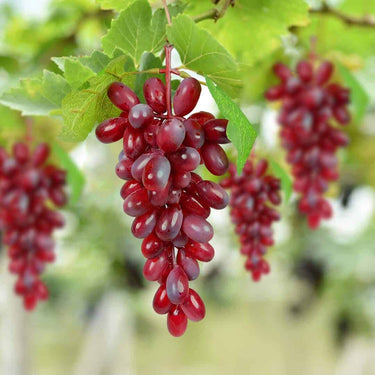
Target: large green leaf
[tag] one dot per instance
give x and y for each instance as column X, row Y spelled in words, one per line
column 240, row 131
column 253, row 28
column 37, row 96
column 201, row 52
column 84, row 108
column 359, row 98
column 75, row 177
column 136, row 30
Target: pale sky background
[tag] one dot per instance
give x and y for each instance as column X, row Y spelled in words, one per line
column 32, row 8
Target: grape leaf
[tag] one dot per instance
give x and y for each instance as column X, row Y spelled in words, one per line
column 286, row 181
column 82, row 109
column 75, row 177
column 240, row 131
column 199, row 51
column 358, row 96
column 252, row 28
column 37, row 96
column 137, row 31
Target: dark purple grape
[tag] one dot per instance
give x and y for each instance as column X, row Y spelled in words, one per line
column 177, row 285
column 155, row 94
column 216, row 131
column 139, row 165
column 134, row 143
column 137, row 204
column 159, row 198
column 181, row 240
column 197, row 228
column 181, row 179
column 122, row 96
column 152, row 246
column 170, row 135
column 156, row 173
column 144, row 225
column 150, row 132
column 169, row 223
column 111, row 130
column 123, row 169
column 188, row 264
column 174, row 196
column 185, row 159
column 194, row 136
column 193, row 307
column 191, row 205
column 140, row 115
column 215, row 159
column 187, row 96
column 212, row 194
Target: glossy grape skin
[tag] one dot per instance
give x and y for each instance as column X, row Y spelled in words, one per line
column 202, row 117
column 159, row 198
column 152, row 246
column 129, row 187
column 176, row 321
column 156, row 173
column 123, row 169
column 188, row 264
column 181, row 179
column 169, row 223
column 111, row 130
column 193, row 307
column 139, row 165
column 186, row 159
column 216, row 131
column 155, row 94
column 197, row 228
column 170, row 135
column 212, row 194
column 180, row 240
column 140, row 115
column 133, row 142
column 122, row 96
column 137, row 204
column 215, row 159
column 191, row 205
column 154, row 267
column 161, row 302
column 187, row 96
column 194, row 134
column 144, row 225
column 200, row 251
column 177, row 285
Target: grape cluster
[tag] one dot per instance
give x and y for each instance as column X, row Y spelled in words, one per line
column 310, row 104
column 169, row 201
column 28, row 186
column 252, row 196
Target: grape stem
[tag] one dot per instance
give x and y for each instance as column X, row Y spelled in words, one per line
column 29, row 130
column 364, row 21
column 167, row 12
column 168, row 70
column 215, row 13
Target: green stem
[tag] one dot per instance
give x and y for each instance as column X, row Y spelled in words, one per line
column 215, row 13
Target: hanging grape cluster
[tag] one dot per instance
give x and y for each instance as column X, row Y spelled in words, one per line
column 310, row 106
column 253, row 195
column 28, row 188
column 169, row 201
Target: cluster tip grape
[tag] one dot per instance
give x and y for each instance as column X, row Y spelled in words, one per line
column 253, row 196
column 28, row 186
column 170, row 203
column 311, row 104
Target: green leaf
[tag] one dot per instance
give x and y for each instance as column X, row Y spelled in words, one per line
column 240, row 131
column 286, row 181
column 37, row 96
column 114, row 4
column 199, row 51
column 252, row 29
column 148, row 61
column 84, row 108
column 75, row 177
column 136, row 31
column 359, row 98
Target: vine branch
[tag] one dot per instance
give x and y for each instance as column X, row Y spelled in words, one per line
column 364, row 21
column 215, row 13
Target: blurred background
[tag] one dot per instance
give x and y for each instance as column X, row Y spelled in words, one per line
column 315, row 312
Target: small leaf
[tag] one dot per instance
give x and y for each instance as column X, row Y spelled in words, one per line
column 36, row 96
column 359, row 97
column 286, row 181
column 84, row 108
column 114, row 4
column 240, row 131
column 75, row 177
column 201, row 52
